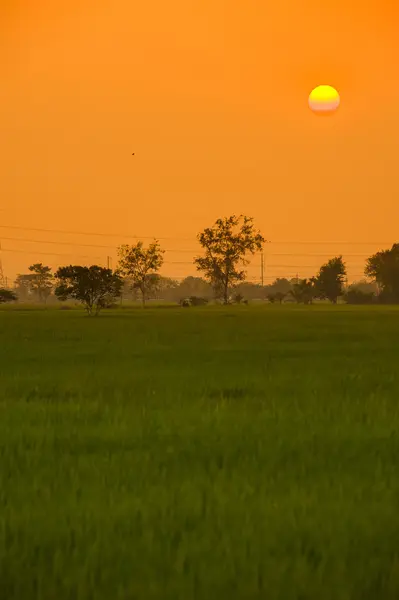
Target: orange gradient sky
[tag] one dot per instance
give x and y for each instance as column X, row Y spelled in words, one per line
column 212, row 96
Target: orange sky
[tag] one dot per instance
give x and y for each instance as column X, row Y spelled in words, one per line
column 211, row 95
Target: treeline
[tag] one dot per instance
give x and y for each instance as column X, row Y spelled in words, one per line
column 227, row 246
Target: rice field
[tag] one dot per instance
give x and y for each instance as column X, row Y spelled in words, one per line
column 234, row 453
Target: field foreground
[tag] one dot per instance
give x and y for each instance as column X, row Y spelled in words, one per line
column 209, row 454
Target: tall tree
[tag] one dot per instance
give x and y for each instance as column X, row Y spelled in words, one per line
column 226, row 246
column 139, row 263
column 42, row 281
column 7, row 296
column 95, row 287
column 329, row 282
column 383, row 268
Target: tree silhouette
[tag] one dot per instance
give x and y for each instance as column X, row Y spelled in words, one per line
column 194, row 286
column 7, row 296
column 357, row 296
column 329, row 281
column 226, row 246
column 383, row 268
column 23, row 285
column 95, row 287
column 139, row 264
column 304, row 291
column 42, row 281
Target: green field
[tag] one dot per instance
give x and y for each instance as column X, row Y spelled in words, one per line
column 211, row 454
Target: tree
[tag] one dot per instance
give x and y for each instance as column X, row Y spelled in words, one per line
column 194, row 286
column 304, row 291
column 278, row 290
column 357, row 296
column 276, row 297
column 329, row 282
column 250, row 291
column 139, row 263
column 361, row 292
column 7, row 296
column 23, row 286
column 42, row 281
column 280, row 285
column 95, row 287
column 362, row 285
column 161, row 288
column 226, row 246
column 383, row 268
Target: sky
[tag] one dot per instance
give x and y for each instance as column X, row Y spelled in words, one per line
column 211, row 96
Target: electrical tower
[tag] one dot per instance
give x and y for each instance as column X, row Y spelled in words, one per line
column 2, row 278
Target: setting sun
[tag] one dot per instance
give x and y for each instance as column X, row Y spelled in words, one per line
column 324, row 99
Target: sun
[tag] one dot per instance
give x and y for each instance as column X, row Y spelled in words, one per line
column 324, row 100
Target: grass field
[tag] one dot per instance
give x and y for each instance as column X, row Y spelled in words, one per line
column 210, row 454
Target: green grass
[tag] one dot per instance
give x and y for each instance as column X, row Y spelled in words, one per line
column 210, row 454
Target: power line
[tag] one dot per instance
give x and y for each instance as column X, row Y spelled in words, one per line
column 123, row 235
column 2, row 278
column 50, row 253
column 165, row 262
column 326, row 243
column 306, row 254
column 102, row 234
column 193, row 251
column 13, row 239
column 308, row 266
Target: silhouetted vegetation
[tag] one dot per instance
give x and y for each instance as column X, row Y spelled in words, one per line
column 7, row 296
column 329, row 282
column 277, row 297
column 383, row 267
column 226, row 246
column 140, row 264
column 304, row 291
column 94, row 287
column 41, row 282
column 356, row 296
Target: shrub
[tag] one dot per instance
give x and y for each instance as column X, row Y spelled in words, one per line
column 197, row 301
column 356, row 296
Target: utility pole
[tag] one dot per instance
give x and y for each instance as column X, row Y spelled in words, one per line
column 109, row 262
column 3, row 281
column 262, row 268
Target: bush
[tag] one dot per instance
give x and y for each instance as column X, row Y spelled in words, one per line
column 276, row 297
column 112, row 305
column 197, row 301
column 7, row 296
column 356, row 296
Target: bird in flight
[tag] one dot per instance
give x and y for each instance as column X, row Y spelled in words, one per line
column 133, row 154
